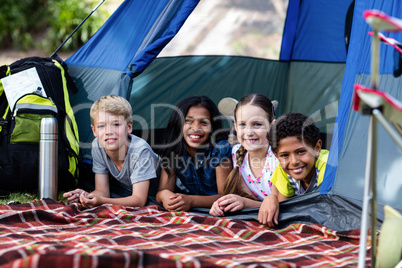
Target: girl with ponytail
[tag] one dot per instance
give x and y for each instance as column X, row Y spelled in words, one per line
column 254, row 162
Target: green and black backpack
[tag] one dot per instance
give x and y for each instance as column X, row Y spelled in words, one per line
column 20, row 126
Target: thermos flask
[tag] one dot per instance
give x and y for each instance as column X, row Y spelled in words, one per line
column 48, row 169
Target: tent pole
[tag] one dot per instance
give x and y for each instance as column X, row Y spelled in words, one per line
column 375, row 58
column 388, row 127
column 93, row 10
column 373, row 190
column 370, row 187
column 369, row 197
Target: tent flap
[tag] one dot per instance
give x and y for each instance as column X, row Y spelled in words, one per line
column 134, row 35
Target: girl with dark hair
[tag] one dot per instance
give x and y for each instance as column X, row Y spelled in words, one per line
column 249, row 182
column 196, row 156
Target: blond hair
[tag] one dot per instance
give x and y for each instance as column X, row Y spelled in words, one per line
column 115, row 105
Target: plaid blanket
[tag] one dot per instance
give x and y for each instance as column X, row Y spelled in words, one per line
column 45, row 233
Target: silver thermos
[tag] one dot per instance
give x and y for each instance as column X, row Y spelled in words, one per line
column 48, row 147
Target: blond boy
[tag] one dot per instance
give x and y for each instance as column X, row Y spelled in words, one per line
column 123, row 163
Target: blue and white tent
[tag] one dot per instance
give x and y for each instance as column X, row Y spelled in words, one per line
column 314, row 75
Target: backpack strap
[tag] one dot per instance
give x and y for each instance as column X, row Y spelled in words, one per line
column 5, row 70
column 70, row 83
column 70, row 123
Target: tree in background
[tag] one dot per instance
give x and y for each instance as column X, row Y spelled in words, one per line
column 19, row 20
column 45, row 24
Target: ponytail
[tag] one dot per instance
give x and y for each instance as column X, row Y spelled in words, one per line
column 233, row 182
column 240, row 154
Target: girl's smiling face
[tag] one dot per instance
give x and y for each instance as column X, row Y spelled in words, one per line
column 196, row 128
column 252, row 127
column 298, row 159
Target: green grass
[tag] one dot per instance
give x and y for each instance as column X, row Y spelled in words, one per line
column 27, row 197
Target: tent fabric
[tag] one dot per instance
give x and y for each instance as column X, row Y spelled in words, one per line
column 314, row 31
column 314, row 89
column 121, row 49
column 347, row 154
column 169, row 79
column 134, row 35
column 166, row 81
column 310, row 77
column 103, row 82
column 289, row 32
column 334, row 211
column 352, row 162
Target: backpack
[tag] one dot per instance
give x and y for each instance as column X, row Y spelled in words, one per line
column 20, row 126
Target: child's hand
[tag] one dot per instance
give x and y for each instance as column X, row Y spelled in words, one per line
column 231, row 203
column 269, row 211
column 74, row 196
column 90, row 200
column 178, row 202
column 216, row 210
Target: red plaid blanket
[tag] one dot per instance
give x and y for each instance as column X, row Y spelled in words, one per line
column 46, row 233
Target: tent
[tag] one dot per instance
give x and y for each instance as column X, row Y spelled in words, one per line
column 314, row 75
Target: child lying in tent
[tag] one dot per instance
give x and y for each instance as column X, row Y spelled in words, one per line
column 254, row 162
column 125, row 166
column 196, row 157
column 295, row 141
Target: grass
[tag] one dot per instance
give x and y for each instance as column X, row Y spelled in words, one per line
column 27, row 197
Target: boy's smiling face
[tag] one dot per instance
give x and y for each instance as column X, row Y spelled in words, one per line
column 298, row 159
column 112, row 132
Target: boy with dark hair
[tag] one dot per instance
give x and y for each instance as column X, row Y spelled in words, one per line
column 295, row 141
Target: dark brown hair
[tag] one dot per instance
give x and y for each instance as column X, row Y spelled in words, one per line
column 175, row 124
